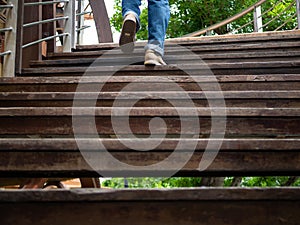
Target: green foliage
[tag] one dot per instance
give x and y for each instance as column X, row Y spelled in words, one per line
column 266, row 181
column 191, row 15
column 177, row 182
column 151, row 182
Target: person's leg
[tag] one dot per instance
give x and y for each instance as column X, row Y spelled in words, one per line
column 132, row 6
column 158, row 19
column 131, row 24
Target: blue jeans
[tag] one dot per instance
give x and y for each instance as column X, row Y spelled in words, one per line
column 158, row 19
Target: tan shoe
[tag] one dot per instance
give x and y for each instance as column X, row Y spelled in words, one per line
column 127, row 37
column 153, row 59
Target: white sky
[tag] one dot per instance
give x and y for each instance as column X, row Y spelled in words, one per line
column 110, row 7
column 90, row 34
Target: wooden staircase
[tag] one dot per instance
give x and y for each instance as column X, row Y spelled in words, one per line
column 259, row 76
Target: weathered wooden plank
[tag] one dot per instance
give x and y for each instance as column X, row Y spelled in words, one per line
column 167, row 144
column 235, row 126
column 162, row 207
column 149, row 112
column 265, row 37
column 187, row 67
column 73, row 164
column 275, row 67
column 262, row 99
column 4, row 81
column 159, row 89
column 153, row 95
column 204, row 47
column 197, row 194
column 281, row 52
column 67, row 101
column 154, row 87
column 220, row 58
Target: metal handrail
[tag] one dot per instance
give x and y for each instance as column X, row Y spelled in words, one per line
column 80, row 22
column 6, row 29
column 46, row 21
column 84, row 13
column 278, row 15
column 6, row 6
column 6, row 53
column 46, row 3
column 259, row 17
column 273, row 7
column 82, row 28
column 225, row 22
column 254, row 21
column 69, row 20
column 12, row 54
column 10, row 38
column 44, row 39
column 287, row 21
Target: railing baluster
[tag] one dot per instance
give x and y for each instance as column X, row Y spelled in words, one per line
column 257, row 19
column 69, row 40
column 11, row 40
column 80, row 22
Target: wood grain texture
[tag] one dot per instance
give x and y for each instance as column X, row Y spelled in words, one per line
column 183, row 207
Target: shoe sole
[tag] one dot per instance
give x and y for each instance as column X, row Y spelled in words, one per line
column 127, row 36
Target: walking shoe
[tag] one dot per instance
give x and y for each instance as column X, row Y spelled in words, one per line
column 128, row 34
column 153, row 59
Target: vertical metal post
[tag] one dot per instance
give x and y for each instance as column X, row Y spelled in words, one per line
column 80, row 22
column 298, row 12
column 11, row 40
column 257, row 19
column 69, row 40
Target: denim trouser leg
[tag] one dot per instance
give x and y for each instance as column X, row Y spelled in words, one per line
column 158, row 19
column 132, row 6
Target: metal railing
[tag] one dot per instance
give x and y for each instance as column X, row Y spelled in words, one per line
column 14, row 29
column 264, row 18
column 10, row 30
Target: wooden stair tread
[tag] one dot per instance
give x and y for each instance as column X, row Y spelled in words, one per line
column 148, row 195
column 265, row 37
column 224, row 58
column 149, row 112
column 257, row 74
column 65, row 80
column 73, row 164
column 185, row 206
column 171, row 69
column 168, row 144
column 153, row 95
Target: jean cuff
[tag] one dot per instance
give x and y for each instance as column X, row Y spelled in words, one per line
column 136, row 17
column 155, row 48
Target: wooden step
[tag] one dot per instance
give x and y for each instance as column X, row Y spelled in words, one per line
column 274, row 206
column 205, row 55
column 264, row 82
column 244, row 68
column 188, row 59
column 240, row 39
column 61, row 157
column 258, row 99
column 265, row 122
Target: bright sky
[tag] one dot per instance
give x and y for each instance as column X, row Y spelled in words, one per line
column 90, row 35
column 110, row 7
